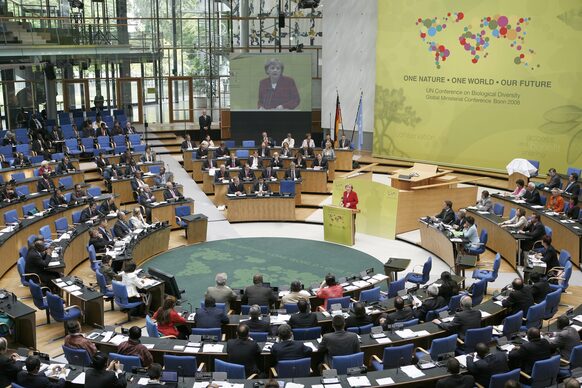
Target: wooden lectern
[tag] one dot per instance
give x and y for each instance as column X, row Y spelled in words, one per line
column 339, row 224
column 197, row 228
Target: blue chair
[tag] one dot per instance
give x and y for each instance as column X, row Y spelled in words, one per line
column 307, row 334
column 498, row 380
column 68, row 132
column 396, row 286
column 77, row 356
column 564, row 257
column 287, row 369
column 473, row 337
column 258, row 336
column 20, row 265
column 154, row 169
column 102, row 283
column 104, row 143
column 121, row 299
column 213, row 331
column 512, row 324
column 128, row 362
column 434, row 314
column 119, row 140
column 152, row 328
column 61, row 225
column 291, row 308
column 245, row 308
column 11, row 217
column 233, row 371
column 94, row 191
column 287, row 187
column 498, row 209
column 412, row 322
column 89, row 146
column 455, row 303
column 552, row 303
column 344, row 301
column 67, row 182
column 45, row 231
column 46, row 203
column 18, row 176
column 73, row 147
column 23, row 251
column 229, row 143
column 548, row 231
column 489, row 275
column 186, row 366
column 58, row 311
column 134, row 139
column 29, row 209
column 242, row 154
column 544, row 373
column 22, row 190
column 574, row 361
column 58, row 156
column 478, row 291
column 39, row 299
column 439, row 346
column 342, row 363
column 421, row 278
column 572, row 170
column 119, row 149
column 76, row 216
column 248, row 143
column 372, row 295
column 394, row 357
column 366, row 329
column 535, row 316
column 483, row 237
column 24, row 148
column 180, row 212
column 221, row 306
column 139, row 148
column 564, row 280
column 36, row 159
column 512, row 212
column 536, row 164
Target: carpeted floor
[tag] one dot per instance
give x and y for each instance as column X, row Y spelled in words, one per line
column 280, row 260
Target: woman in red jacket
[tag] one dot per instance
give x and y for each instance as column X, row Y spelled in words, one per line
column 168, row 319
column 349, row 198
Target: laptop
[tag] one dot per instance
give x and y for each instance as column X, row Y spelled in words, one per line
column 169, row 377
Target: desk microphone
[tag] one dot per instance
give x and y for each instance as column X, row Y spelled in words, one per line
column 190, row 304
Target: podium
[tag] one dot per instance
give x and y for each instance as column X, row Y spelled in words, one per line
column 197, row 227
column 339, row 224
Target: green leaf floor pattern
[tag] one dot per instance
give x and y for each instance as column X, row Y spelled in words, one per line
column 280, row 260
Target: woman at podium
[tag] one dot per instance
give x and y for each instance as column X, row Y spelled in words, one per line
column 349, row 198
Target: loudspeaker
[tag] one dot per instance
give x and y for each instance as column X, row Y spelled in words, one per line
column 49, row 71
column 281, row 21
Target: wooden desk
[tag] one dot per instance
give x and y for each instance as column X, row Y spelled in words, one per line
column 122, row 188
column 344, row 159
column 151, row 245
column 24, row 318
column 500, row 240
column 419, row 174
column 260, row 208
column 564, row 236
column 435, row 241
column 313, row 181
column 197, row 228
column 115, row 158
column 6, row 173
column 167, row 211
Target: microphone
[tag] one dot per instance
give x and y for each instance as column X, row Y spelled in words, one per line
column 190, row 304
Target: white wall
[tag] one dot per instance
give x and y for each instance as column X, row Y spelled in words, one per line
column 349, row 61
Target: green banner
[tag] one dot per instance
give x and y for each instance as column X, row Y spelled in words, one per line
column 337, row 225
column 479, row 83
column 378, row 204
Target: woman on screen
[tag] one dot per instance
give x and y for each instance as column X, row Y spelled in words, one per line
column 277, row 91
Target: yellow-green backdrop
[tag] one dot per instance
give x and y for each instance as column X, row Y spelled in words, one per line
column 528, row 99
column 378, row 204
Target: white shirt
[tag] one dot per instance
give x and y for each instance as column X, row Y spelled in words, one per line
column 291, row 142
column 306, row 143
column 137, row 223
column 131, row 282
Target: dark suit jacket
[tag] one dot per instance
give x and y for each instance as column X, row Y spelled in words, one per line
column 184, row 145
column 102, row 163
column 344, row 143
column 446, row 215
column 244, row 352
column 519, row 300
column 539, row 290
column 257, row 188
column 99, row 243
column 258, row 325
column 62, row 167
column 403, row 315
column 210, row 317
column 168, row 194
column 268, row 176
column 37, row 381
column 257, row 294
column 535, row 231
column 121, row 229
column 233, row 188
column 106, row 208
column 290, row 350
column 528, row 353
column 322, row 163
column 565, row 340
column 551, row 258
column 307, row 152
column 354, row 321
column 86, row 215
column 303, row 320
column 465, row 319
column 277, row 163
column 103, row 378
column 532, row 197
column 36, row 262
column 219, row 174
column 264, row 153
column 456, row 381
column 221, row 152
column 229, row 162
column 429, row 304
column 483, row 369
column 339, row 343
column 284, row 94
column 573, row 189
column 57, row 201
column 243, row 175
column 201, row 152
column 206, row 164
column 45, row 184
column 8, row 370
column 205, row 121
column 297, row 174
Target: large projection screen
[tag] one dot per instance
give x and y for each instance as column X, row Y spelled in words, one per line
column 479, row 83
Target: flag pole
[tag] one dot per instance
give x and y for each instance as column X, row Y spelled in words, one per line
column 356, row 119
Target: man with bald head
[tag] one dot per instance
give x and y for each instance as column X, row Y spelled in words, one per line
column 258, row 293
column 465, row 319
column 520, row 298
column 535, row 349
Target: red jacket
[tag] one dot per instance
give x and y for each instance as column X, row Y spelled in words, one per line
column 170, row 327
column 351, row 198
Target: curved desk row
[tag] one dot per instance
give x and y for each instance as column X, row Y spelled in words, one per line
column 255, row 208
column 165, row 211
column 6, row 173
column 565, row 234
column 220, row 189
column 32, row 183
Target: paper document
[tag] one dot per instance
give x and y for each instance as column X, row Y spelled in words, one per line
column 359, row 381
column 385, row 381
column 412, row 371
column 212, row 348
column 80, row 379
